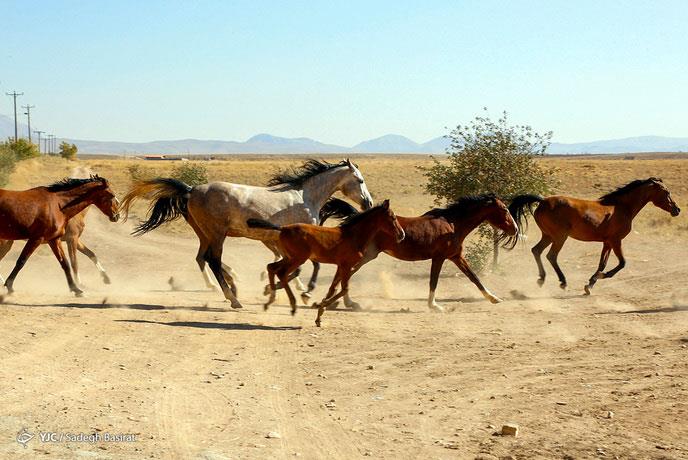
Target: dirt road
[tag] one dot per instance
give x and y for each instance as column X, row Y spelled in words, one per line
column 600, row 376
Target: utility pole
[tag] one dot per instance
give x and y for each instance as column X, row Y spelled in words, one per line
column 28, row 116
column 39, row 139
column 45, row 144
column 14, row 94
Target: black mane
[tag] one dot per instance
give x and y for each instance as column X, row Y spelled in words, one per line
column 461, row 206
column 611, row 197
column 354, row 218
column 294, row 178
column 69, row 183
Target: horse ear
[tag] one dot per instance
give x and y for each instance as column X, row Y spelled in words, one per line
column 349, row 164
column 385, row 204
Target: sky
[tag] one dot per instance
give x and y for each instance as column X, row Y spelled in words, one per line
column 345, row 71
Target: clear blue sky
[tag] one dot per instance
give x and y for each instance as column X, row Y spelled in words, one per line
column 346, row 71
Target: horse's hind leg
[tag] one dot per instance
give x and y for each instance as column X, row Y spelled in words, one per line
column 545, row 241
column 29, row 249
column 284, row 269
column 71, row 250
column 56, row 246
column 604, row 257
column 214, row 258
column 5, row 246
column 552, row 257
column 312, row 283
column 94, row 258
column 462, row 263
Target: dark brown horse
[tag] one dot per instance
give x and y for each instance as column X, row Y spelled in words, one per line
column 73, row 231
column 437, row 235
column 607, row 220
column 343, row 246
column 40, row 215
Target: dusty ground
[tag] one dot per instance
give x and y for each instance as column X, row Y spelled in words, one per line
column 601, row 376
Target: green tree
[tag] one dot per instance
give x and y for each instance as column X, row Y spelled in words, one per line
column 191, row 173
column 488, row 156
column 23, row 149
column 68, row 151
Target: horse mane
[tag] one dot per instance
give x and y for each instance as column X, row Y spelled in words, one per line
column 355, row 218
column 69, row 183
column 294, row 178
column 461, row 206
column 613, row 196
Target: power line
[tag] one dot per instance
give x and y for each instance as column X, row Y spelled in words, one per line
column 28, row 116
column 39, row 139
column 14, row 94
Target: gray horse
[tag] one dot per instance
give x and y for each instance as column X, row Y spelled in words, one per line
column 220, row 209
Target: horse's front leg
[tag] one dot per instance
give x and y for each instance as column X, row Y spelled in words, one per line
column 370, row 254
column 616, row 247
column 306, row 295
column 462, row 263
column 56, row 246
column 435, row 270
column 604, row 257
column 330, row 297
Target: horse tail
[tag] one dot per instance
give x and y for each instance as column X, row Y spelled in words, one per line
column 334, row 207
column 169, row 199
column 264, row 224
column 520, row 207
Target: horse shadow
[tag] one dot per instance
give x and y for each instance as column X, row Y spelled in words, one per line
column 210, row 325
column 127, row 306
column 672, row 309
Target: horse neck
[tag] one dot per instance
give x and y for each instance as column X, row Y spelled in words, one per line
column 363, row 232
column 634, row 202
column 470, row 220
column 73, row 201
column 318, row 189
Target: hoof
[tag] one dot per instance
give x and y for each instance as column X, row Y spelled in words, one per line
column 317, row 322
column 293, row 311
column 587, row 289
column 106, row 279
column 265, row 306
column 79, row 293
column 540, row 281
column 436, row 308
column 354, row 306
column 237, row 306
column 305, row 298
column 496, row 300
column 563, row 286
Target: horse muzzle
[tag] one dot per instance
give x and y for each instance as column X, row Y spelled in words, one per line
column 114, row 217
column 675, row 211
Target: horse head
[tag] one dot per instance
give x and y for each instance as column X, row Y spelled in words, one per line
column 499, row 217
column 661, row 197
column 353, row 186
column 389, row 223
column 105, row 200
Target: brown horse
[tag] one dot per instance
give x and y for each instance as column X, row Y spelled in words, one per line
column 343, row 246
column 40, row 215
column 437, row 235
column 73, row 231
column 607, row 220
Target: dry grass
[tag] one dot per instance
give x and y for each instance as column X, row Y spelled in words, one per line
column 398, row 177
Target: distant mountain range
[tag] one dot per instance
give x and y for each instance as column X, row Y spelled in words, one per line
column 390, row 143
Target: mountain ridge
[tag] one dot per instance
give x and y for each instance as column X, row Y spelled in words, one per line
column 388, row 143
